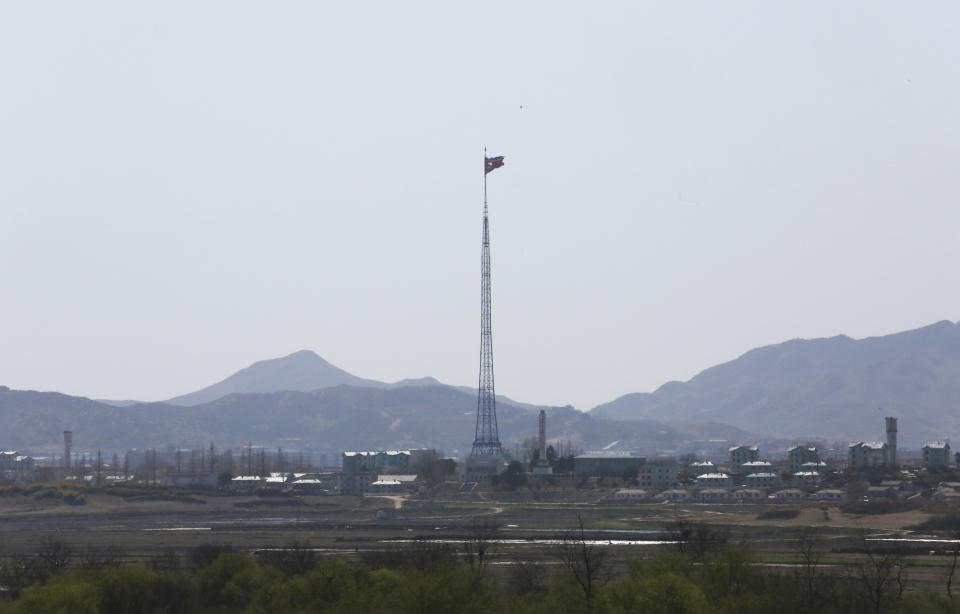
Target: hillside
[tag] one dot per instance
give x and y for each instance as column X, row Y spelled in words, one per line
column 837, row 387
column 302, row 371
column 331, row 419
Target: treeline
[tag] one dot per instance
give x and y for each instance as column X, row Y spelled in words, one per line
column 701, row 573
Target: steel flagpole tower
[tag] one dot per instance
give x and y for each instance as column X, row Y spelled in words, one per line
column 487, row 440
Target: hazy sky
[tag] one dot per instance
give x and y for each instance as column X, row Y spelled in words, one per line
column 189, row 187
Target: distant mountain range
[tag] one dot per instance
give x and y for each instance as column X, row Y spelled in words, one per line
column 330, row 420
column 838, row 388
column 302, row 371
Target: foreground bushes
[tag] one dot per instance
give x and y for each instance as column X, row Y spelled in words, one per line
column 720, row 579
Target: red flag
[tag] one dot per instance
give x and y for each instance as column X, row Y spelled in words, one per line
column 491, row 163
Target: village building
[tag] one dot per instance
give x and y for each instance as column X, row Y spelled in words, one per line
column 865, row 454
column 790, row 494
column 713, row 494
column 797, row 456
column 701, row 467
column 763, row 480
column 675, row 494
column 742, row 454
column 714, row 480
column 936, row 456
column 806, row 478
column 631, row 494
column 648, row 473
column 757, row 466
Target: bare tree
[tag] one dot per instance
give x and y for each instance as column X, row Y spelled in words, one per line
column 295, row 559
column 480, row 542
column 881, row 575
column 954, row 553
column 53, row 555
column 812, row 582
column 586, row 562
column 695, row 539
column 94, row 557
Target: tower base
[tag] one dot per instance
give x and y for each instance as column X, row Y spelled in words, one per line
column 482, row 467
column 542, row 468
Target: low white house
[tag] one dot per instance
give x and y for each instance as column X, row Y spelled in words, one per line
column 186, row 479
column 385, row 487
column 714, row 480
column 714, row 494
column 790, row 494
column 245, row 482
column 830, row 494
column 749, row 494
column 758, row 466
column 701, row 467
column 763, row 480
column 631, row 494
column 806, row 478
column 674, row 494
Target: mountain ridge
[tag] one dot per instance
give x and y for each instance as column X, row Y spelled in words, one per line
column 801, row 386
column 301, row 371
column 332, row 419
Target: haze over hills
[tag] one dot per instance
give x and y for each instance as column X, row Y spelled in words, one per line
column 302, row 371
column 330, row 419
column 837, row 387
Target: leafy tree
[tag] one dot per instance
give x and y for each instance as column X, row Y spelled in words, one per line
column 513, row 476
column 64, row 595
column 331, row 586
column 295, row 559
column 534, row 458
column 230, row 583
column 667, row 593
column 205, row 554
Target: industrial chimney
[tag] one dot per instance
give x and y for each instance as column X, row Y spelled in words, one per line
column 892, row 441
column 67, row 448
column 543, row 436
column 542, row 467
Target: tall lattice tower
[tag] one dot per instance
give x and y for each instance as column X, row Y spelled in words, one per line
column 487, row 440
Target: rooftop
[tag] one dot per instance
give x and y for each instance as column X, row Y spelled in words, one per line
column 609, row 454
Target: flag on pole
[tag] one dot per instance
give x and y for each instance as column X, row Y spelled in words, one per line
column 491, row 163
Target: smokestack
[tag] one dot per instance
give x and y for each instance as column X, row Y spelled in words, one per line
column 543, row 436
column 892, row 441
column 67, row 448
